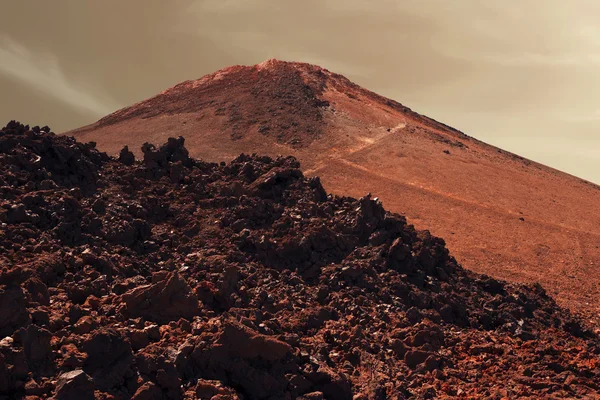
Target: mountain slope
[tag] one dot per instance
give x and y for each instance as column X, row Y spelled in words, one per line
column 501, row 214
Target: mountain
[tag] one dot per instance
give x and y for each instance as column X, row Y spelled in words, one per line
column 500, row 214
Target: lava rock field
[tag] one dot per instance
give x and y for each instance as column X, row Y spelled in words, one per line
column 173, row 278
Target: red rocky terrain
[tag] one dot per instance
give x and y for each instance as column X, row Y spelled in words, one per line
column 501, row 214
column 174, row 278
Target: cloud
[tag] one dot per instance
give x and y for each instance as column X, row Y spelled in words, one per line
column 42, row 72
column 529, row 33
column 525, row 59
column 259, row 30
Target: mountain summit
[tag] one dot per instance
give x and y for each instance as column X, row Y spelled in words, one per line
column 500, row 214
column 287, row 103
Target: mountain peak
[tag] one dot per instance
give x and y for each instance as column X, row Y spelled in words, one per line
column 276, row 98
column 292, row 102
column 274, row 63
column 316, row 71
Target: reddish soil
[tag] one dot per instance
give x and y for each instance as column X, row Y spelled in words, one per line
column 174, row 278
column 500, row 214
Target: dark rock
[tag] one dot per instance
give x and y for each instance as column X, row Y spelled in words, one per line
column 38, row 291
column 13, row 313
column 126, row 157
column 398, row 347
column 109, row 358
column 312, row 396
column 413, row 358
column 206, row 389
column 139, row 339
column 239, row 341
column 168, row 299
column 148, row 391
column 74, row 385
column 36, row 342
column 432, row 362
column 5, row 383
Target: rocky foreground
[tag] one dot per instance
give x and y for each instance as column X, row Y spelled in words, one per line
column 173, row 278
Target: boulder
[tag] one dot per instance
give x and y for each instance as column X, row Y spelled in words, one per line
column 168, row 299
column 74, row 385
column 240, row 341
column 13, row 313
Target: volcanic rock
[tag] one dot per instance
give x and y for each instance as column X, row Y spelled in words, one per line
column 239, row 341
column 168, row 298
column 109, row 359
column 126, row 156
column 13, row 311
column 74, row 385
column 303, row 294
column 148, row 391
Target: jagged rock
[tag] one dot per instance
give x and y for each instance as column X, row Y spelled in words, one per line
column 312, row 396
column 157, row 161
column 139, row 339
column 148, row 391
column 71, row 357
column 36, row 342
column 13, row 313
column 167, row 299
column 239, row 341
column 398, row 347
column 109, row 359
column 126, row 157
column 38, row 291
column 4, row 375
column 74, row 385
column 206, row 389
column 413, row 358
column 175, row 151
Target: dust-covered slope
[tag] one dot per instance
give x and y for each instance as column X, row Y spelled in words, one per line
column 500, row 214
column 174, row 278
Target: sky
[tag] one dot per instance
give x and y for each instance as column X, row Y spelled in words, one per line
column 524, row 76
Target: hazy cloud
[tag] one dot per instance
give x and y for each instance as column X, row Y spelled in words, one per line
column 42, row 72
column 564, row 35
